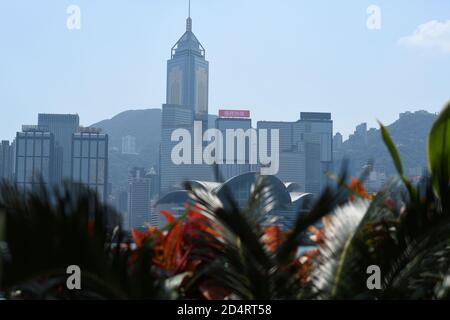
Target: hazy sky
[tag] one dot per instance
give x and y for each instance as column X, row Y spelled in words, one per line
column 276, row 58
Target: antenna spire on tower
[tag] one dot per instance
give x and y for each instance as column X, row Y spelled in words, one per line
column 189, row 20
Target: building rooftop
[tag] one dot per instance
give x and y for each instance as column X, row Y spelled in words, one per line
column 188, row 43
column 315, row 116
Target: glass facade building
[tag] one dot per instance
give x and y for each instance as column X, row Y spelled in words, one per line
column 57, row 150
column 238, row 166
column 6, row 160
column 186, row 102
column 34, row 158
column 139, row 191
column 316, row 131
column 306, row 150
column 89, row 164
column 188, row 74
column 62, row 126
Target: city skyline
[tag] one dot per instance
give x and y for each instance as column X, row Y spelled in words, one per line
column 74, row 75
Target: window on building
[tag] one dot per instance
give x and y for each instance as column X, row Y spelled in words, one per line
column 30, row 147
column 76, row 148
column 85, row 149
column 93, row 171
column 76, row 169
column 46, row 148
column 38, row 148
column 84, row 170
column 101, row 149
column 20, row 169
column 93, row 149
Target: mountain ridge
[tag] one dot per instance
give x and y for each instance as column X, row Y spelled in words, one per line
column 409, row 133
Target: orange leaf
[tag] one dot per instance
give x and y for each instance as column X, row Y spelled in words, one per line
column 273, row 237
column 358, row 187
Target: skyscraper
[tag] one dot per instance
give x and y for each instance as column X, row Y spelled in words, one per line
column 361, row 134
column 337, row 141
column 306, row 149
column 34, row 157
column 227, row 171
column 138, row 198
column 188, row 74
column 89, row 163
column 187, row 101
column 153, row 176
column 316, row 131
column 292, row 155
column 62, row 126
column 122, row 206
column 6, row 160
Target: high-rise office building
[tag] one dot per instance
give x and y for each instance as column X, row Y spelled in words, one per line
column 188, row 74
column 361, row 133
column 41, row 153
column 6, row 160
column 316, row 131
column 292, row 168
column 287, row 140
column 62, row 126
column 306, row 149
column 89, row 163
column 34, row 157
column 139, row 203
column 235, row 166
column 337, row 141
column 338, row 152
column 173, row 117
column 122, row 207
column 119, row 201
column 187, row 101
column 153, row 176
column 292, row 155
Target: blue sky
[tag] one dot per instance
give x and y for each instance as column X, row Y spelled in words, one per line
column 276, row 58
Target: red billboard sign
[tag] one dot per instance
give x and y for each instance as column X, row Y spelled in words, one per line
column 234, row 113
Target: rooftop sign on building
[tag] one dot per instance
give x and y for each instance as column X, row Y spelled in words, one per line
column 89, row 130
column 34, row 128
column 234, row 113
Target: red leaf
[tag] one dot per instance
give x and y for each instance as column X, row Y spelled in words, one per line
column 169, row 217
column 138, row 237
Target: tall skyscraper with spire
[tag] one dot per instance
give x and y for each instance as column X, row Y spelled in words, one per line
column 186, row 102
column 188, row 74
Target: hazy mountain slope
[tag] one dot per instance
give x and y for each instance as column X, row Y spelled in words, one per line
column 409, row 133
column 145, row 126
